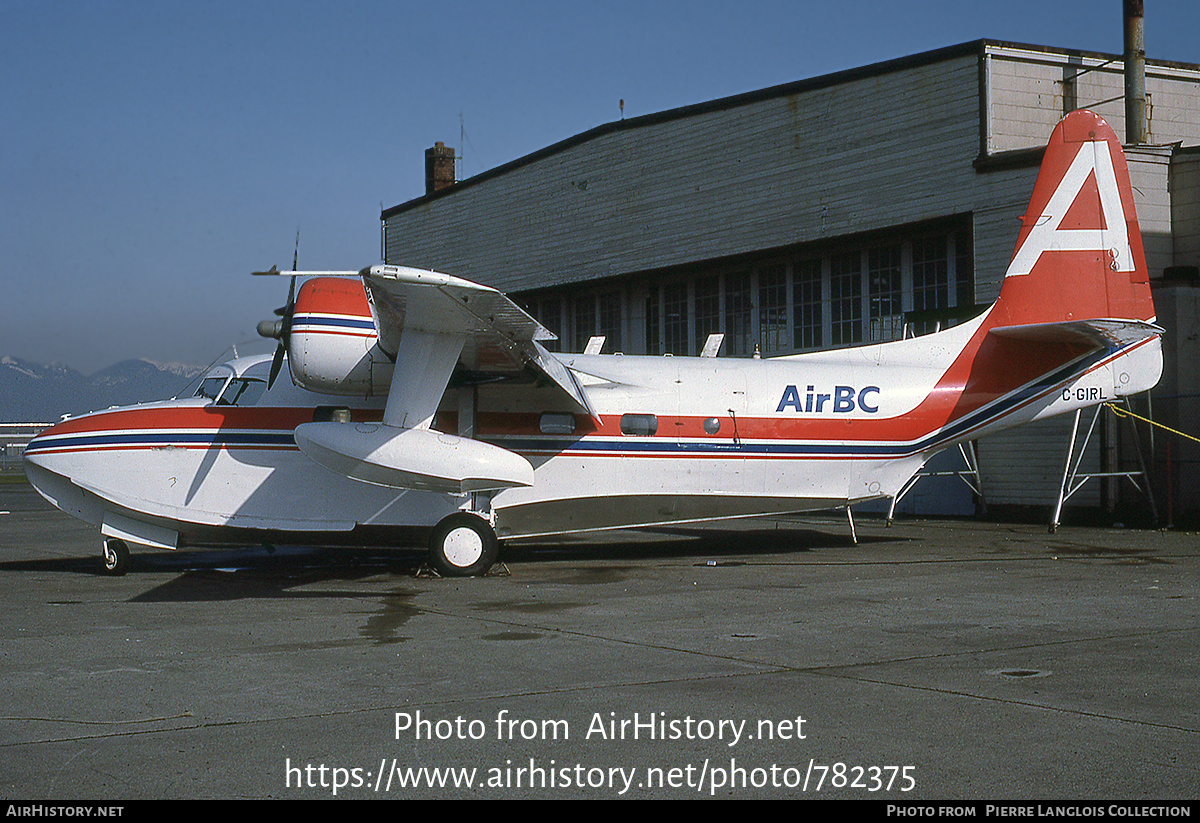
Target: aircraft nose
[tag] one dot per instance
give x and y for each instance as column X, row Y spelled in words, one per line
column 46, row 466
column 33, row 455
column 50, row 475
column 45, row 481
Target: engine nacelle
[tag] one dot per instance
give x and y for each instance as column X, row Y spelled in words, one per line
column 333, row 347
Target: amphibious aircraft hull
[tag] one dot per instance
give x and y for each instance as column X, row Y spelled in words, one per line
column 419, row 400
column 731, row 439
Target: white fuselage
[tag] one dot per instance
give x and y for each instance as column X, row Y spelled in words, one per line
column 678, row 439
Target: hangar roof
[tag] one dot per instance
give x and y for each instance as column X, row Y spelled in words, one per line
column 977, row 47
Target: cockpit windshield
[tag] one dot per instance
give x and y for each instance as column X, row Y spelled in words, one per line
column 236, row 391
column 242, row 391
column 210, row 387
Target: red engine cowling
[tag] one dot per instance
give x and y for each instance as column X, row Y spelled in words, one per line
column 333, row 347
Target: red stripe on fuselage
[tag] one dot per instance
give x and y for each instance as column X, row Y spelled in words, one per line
column 311, row 330
column 964, row 388
column 204, row 417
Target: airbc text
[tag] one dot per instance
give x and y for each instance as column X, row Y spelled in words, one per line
column 842, row 400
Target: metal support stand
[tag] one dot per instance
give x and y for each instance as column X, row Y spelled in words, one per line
column 969, row 476
column 1073, row 480
column 853, row 534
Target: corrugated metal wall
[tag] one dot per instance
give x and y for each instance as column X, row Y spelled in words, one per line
column 766, row 174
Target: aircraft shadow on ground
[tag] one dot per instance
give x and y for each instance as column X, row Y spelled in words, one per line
column 230, row 574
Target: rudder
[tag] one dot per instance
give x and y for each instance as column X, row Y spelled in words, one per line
column 1079, row 251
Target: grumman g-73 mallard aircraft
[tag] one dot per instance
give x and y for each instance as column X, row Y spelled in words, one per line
column 420, row 401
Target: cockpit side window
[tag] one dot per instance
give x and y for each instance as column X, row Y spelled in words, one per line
column 210, row 387
column 242, row 391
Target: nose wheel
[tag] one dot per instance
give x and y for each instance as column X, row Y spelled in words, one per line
column 116, row 557
column 463, row 545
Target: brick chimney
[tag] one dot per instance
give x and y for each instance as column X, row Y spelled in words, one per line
column 439, row 167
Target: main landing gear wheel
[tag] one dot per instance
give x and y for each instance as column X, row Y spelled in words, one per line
column 463, row 545
column 116, row 557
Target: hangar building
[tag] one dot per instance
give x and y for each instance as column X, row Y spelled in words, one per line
column 839, row 210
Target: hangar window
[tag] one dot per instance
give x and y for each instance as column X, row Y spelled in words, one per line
column 772, row 309
column 585, row 320
column 548, row 312
column 639, row 425
column 675, row 318
column 807, row 332
column 599, row 314
column 738, row 311
column 930, row 279
column 845, row 298
column 609, row 317
column 885, row 314
column 835, row 293
column 653, row 323
column 708, row 309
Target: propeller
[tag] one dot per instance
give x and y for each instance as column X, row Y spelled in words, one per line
column 281, row 329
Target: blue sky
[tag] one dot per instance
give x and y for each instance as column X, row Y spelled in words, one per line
column 154, row 153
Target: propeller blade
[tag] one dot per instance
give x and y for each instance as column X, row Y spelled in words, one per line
column 285, row 332
column 276, row 364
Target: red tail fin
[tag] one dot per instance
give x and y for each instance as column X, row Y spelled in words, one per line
column 1079, row 253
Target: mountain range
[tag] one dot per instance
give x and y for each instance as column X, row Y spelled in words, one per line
column 32, row 392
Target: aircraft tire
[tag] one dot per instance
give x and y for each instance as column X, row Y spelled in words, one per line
column 116, row 557
column 463, row 545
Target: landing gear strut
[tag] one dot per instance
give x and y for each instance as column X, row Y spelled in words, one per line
column 463, row 545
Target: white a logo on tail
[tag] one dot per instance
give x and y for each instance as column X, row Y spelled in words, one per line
column 1047, row 234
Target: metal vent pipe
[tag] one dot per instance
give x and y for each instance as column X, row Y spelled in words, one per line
column 1135, row 74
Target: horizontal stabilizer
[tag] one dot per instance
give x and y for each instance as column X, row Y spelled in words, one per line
column 421, row 459
column 1103, row 332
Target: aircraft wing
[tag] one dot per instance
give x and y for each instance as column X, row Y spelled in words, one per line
column 429, row 324
column 496, row 334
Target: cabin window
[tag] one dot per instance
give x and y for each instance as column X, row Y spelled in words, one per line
column 557, row 423
column 639, row 425
column 711, row 425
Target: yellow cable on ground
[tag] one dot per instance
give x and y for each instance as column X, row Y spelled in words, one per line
column 1120, row 412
